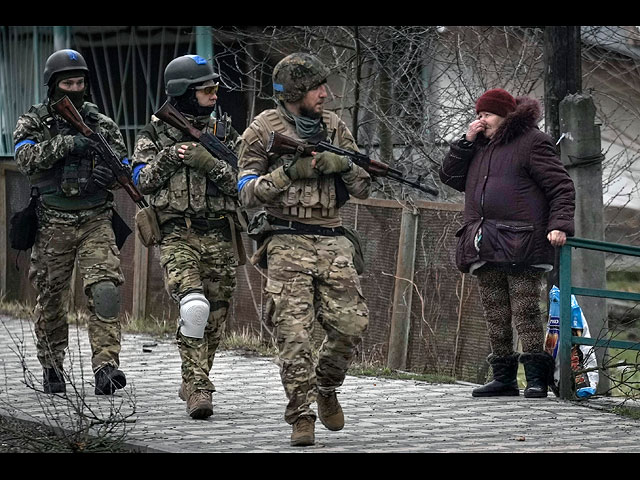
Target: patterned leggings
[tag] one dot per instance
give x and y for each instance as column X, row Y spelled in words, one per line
column 512, row 296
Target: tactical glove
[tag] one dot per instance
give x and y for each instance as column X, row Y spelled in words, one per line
column 81, row 145
column 101, row 177
column 196, row 156
column 328, row 163
column 301, row 168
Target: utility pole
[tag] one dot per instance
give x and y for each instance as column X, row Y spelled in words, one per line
column 562, row 77
column 563, row 72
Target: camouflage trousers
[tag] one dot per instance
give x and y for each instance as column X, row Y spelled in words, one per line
column 512, row 297
column 310, row 277
column 195, row 262
column 61, row 242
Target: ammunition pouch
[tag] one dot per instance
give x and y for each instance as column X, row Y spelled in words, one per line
column 147, row 227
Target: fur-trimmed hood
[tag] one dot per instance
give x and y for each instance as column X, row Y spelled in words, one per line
column 527, row 114
column 516, row 189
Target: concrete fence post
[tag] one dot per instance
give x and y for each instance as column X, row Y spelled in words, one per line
column 581, row 154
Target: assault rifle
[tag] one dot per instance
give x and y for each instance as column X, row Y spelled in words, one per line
column 169, row 114
column 69, row 112
column 281, row 144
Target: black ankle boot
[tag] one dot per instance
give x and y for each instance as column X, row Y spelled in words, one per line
column 505, row 381
column 53, row 380
column 108, row 380
column 538, row 369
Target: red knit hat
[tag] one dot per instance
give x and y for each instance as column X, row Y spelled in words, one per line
column 496, row 101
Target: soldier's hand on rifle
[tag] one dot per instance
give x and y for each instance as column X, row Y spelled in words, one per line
column 101, row 177
column 302, row 168
column 329, row 162
column 196, row 156
column 81, row 144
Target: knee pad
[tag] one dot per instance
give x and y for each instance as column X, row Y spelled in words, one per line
column 106, row 299
column 194, row 315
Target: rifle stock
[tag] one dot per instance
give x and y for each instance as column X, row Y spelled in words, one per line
column 68, row 111
column 169, row 114
column 282, row 144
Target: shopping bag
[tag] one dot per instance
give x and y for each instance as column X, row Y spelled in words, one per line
column 582, row 356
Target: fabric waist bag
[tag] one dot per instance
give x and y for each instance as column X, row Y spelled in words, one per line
column 147, row 227
column 24, row 225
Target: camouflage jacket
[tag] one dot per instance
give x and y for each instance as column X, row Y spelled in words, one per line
column 43, row 151
column 175, row 189
column 262, row 181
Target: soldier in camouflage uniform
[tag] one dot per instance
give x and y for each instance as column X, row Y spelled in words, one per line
column 310, row 262
column 75, row 211
column 195, row 198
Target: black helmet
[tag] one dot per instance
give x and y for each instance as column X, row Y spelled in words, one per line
column 185, row 71
column 296, row 74
column 62, row 61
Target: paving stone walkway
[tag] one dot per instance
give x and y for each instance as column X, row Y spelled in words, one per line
column 382, row 415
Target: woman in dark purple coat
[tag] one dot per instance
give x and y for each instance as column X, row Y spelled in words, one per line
column 519, row 205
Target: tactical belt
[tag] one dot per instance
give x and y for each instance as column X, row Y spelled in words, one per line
column 200, row 224
column 297, row 228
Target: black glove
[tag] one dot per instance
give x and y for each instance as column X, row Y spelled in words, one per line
column 81, row 145
column 102, row 176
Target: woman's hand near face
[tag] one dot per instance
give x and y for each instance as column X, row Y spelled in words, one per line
column 475, row 128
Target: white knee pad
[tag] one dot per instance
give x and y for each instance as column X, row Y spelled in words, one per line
column 194, row 315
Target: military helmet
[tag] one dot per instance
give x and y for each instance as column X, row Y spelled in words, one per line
column 296, row 74
column 185, row 71
column 62, row 61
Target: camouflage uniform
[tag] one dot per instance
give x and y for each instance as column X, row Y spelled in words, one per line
column 73, row 226
column 311, row 274
column 198, row 220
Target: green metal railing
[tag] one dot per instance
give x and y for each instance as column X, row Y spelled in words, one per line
column 566, row 339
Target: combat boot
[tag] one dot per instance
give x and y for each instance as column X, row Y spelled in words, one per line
column 505, row 381
column 199, row 404
column 182, row 392
column 330, row 411
column 109, row 379
column 303, row 433
column 538, row 370
column 53, row 381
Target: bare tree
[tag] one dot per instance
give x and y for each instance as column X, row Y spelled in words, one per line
column 407, row 91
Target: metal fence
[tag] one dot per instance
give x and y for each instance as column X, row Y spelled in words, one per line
column 566, row 338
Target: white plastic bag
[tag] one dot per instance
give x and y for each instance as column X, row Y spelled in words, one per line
column 582, row 356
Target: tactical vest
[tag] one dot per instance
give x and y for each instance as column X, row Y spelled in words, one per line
column 62, row 187
column 303, row 195
column 189, row 191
